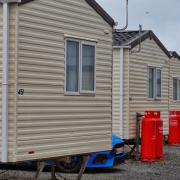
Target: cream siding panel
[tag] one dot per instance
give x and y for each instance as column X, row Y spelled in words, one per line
column 1, row 27
column 174, row 72
column 150, row 55
column 50, row 123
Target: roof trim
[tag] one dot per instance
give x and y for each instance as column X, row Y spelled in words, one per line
column 151, row 35
column 160, row 44
column 95, row 6
column 174, row 54
column 101, row 12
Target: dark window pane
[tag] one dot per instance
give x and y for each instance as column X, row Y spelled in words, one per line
column 88, row 67
column 72, row 66
column 151, row 83
column 158, row 79
column 174, row 89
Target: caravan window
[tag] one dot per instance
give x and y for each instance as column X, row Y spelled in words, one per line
column 176, row 89
column 155, row 82
column 80, row 67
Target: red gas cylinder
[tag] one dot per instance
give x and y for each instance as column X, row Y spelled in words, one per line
column 174, row 128
column 152, row 137
column 159, row 140
column 178, row 114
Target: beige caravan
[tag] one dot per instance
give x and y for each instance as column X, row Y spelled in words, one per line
column 174, row 82
column 56, row 71
column 140, row 80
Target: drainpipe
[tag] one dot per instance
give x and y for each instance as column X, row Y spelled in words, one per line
column 121, row 92
column 5, row 68
column 140, row 41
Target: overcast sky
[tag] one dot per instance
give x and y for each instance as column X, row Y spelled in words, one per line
column 161, row 16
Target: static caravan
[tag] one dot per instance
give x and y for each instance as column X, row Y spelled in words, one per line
column 56, row 74
column 174, row 82
column 140, row 80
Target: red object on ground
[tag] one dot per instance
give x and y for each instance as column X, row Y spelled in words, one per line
column 174, row 128
column 152, row 137
column 179, row 124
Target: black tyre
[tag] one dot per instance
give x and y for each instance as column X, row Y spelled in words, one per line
column 71, row 164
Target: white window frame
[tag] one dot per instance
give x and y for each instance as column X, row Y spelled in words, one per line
column 80, row 91
column 155, row 97
column 178, row 89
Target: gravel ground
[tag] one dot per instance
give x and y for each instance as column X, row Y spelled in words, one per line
column 169, row 169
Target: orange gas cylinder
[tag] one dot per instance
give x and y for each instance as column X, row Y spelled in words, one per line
column 174, row 128
column 152, row 137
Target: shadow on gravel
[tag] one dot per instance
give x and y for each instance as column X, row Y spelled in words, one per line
column 20, row 167
column 104, row 171
column 16, row 167
column 25, row 167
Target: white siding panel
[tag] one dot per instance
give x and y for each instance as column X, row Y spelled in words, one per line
column 1, row 27
column 116, row 94
column 12, row 82
column 50, row 123
column 126, row 94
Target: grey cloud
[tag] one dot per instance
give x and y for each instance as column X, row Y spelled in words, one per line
column 163, row 17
